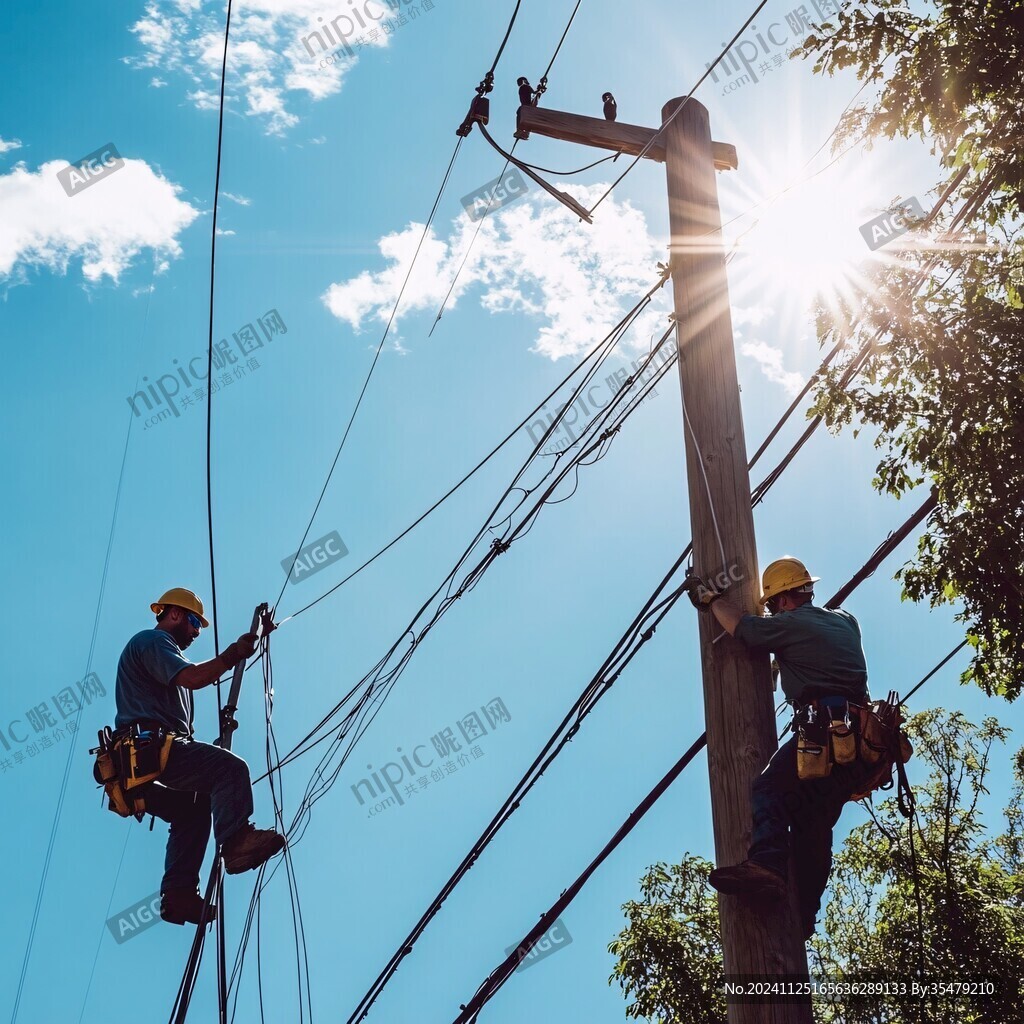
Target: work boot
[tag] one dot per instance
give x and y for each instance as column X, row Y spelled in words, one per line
column 250, row 847
column 184, row 906
column 748, row 879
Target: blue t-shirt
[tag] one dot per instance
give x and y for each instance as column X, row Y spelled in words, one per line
column 145, row 683
column 815, row 647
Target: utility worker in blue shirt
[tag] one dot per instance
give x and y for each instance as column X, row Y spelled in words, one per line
column 820, row 659
column 202, row 783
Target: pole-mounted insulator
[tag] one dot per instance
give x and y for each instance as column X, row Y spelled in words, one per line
column 480, row 108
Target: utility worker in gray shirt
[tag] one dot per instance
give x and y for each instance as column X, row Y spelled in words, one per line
column 202, row 783
column 821, row 660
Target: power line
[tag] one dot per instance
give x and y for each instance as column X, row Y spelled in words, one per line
column 216, row 870
column 862, row 354
column 191, row 971
column 209, row 348
column 956, row 650
column 485, row 86
column 58, row 810
column 366, row 381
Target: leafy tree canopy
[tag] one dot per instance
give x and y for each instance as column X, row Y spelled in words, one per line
column 970, row 920
column 931, row 350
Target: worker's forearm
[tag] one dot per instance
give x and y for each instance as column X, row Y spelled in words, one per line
column 195, row 677
column 727, row 614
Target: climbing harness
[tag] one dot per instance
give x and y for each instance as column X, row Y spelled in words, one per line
column 126, row 761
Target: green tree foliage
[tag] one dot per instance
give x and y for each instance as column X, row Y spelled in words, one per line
column 969, row 884
column 670, row 955
column 932, row 352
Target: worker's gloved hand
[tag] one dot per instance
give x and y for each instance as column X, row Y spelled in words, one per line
column 242, row 648
column 701, row 593
column 246, row 645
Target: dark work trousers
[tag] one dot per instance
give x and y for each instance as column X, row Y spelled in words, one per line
column 202, row 784
column 793, row 815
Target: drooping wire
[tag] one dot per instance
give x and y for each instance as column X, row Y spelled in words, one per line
column 394, row 310
column 214, row 887
column 682, row 103
column 128, row 830
column 376, row 687
column 73, row 736
column 566, row 174
column 209, row 350
column 376, row 357
column 219, row 886
column 704, row 477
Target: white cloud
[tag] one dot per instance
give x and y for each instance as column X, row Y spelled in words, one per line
column 106, row 226
column 274, row 54
column 770, row 360
column 241, row 200
column 753, row 315
column 532, row 257
column 221, row 231
column 6, row 145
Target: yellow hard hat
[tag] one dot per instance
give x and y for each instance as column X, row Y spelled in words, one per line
column 180, row 598
column 784, row 574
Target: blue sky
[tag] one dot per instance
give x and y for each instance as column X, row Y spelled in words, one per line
column 328, row 174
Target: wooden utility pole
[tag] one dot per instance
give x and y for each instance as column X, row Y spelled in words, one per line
column 758, row 939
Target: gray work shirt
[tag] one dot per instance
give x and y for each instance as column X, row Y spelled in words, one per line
column 815, row 647
column 145, row 683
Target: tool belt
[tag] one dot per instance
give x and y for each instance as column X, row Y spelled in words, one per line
column 836, row 731
column 129, row 759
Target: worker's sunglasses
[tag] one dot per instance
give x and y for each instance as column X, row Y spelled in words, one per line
column 193, row 621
